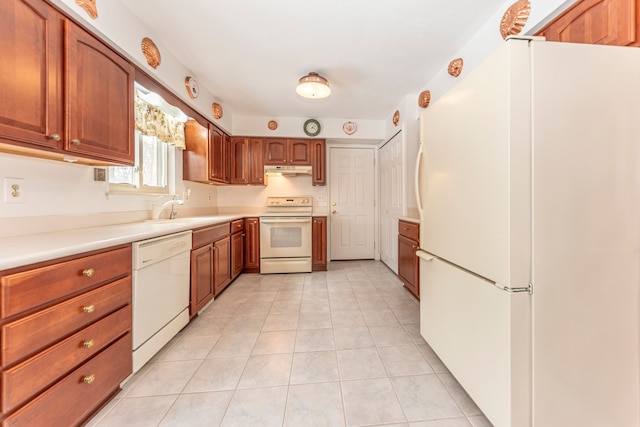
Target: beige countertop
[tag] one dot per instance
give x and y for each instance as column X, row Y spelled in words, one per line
column 409, row 219
column 28, row 249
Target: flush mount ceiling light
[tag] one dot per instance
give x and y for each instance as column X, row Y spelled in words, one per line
column 313, row 86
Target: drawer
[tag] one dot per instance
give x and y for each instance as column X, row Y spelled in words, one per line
column 237, row 225
column 409, row 230
column 30, row 334
column 206, row 235
column 29, row 378
column 32, row 288
column 72, row 400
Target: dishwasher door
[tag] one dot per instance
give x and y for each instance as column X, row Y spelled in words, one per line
column 160, row 284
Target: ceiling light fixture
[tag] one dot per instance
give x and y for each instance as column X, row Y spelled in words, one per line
column 313, row 86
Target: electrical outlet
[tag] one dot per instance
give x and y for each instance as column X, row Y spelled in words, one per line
column 99, row 174
column 14, row 190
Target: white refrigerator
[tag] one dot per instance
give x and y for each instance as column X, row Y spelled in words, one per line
column 529, row 188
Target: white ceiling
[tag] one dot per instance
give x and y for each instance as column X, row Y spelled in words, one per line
column 250, row 53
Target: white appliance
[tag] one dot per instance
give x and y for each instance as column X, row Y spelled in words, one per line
column 285, row 235
column 530, row 234
column 161, row 271
column 287, row 170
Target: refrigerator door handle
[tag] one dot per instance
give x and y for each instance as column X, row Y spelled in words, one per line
column 528, row 289
column 416, row 186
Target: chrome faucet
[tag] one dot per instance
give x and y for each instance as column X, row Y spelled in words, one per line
column 157, row 210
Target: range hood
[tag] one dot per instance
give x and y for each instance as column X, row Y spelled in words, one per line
column 287, row 170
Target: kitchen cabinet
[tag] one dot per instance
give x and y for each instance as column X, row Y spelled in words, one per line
column 209, row 274
column 408, row 262
column 252, row 245
column 280, row 151
column 66, row 329
column 318, row 156
column 206, row 156
column 319, row 243
column 44, row 54
column 246, row 161
column 607, row 22
column 237, row 248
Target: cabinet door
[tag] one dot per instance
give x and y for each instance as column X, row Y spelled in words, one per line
column 221, row 264
column 275, row 151
column 218, row 155
column 201, row 278
column 239, row 161
column 608, row 22
column 319, row 244
column 99, row 100
column 252, row 245
column 31, row 73
column 195, row 158
column 318, row 154
column 299, row 152
column 408, row 264
column 237, row 254
column 256, row 164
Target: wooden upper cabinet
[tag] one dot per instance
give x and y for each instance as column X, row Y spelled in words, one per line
column 280, row 151
column 218, row 155
column 256, row 162
column 31, row 105
column 607, row 22
column 100, row 99
column 239, row 160
column 195, row 165
column 299, row 152
column 318, row 155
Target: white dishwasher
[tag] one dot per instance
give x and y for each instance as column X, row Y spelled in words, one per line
column 161, row 272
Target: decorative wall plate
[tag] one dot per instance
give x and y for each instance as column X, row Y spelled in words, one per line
column 151, row 52
column 396, row 118
column 217, row 110
column 89, row 6
column 193, row 88
column 272, row 125
column 350, row 128
column 424, row 98
column 455, row 67
column 515, row 18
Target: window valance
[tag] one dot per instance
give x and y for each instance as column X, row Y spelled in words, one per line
column 152, row 121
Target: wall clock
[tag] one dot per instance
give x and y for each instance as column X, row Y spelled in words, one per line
column 193, row 89
column 311, row 127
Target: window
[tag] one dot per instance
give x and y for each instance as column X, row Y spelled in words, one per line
column 159, row 126
column 150, row 173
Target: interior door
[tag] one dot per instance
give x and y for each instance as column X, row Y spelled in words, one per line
column 391, row 199
column 352, row 203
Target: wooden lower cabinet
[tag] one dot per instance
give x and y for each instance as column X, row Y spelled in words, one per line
column 408, row 262
column 252, row 245
column 201, row 278
column 237, row 248
column 319, row 243
column 66, row 335
column 221, row 264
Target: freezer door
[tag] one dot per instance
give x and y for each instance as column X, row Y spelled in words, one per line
column 586, row 235
column 476, row 171
column 482, row 334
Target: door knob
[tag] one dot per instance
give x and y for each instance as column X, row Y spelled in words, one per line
column 333, row 204
column 333, row 211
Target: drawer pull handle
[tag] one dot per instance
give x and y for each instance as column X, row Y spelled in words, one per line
column 89, row 379
column 89, row 308
column 88, row 344
column 88, row 272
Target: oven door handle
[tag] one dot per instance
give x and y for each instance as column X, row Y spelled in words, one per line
column 284, row 220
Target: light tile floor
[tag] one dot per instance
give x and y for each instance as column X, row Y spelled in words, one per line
column 341, row 348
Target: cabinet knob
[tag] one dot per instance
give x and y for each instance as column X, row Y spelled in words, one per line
column 89, row 379
column 88, row 344
column 55, row 137
column 88, row 272
column 89, row 308
column 75, row 141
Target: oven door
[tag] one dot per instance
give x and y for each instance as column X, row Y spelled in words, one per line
column 285, row 237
